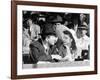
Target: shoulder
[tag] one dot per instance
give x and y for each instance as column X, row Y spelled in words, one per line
column 35, row 44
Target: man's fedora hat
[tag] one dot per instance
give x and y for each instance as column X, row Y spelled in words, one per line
column 57, row 19
column 54, row 19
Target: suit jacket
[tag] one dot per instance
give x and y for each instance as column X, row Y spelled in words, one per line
column 37, row 52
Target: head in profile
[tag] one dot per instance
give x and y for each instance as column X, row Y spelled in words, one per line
column 69, row 40
column 49, row 35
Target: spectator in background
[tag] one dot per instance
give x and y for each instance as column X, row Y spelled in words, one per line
column 84, row 19
column 67, row 20
column 25, row 33
column 42, row 21
column 83, row 43
column 25, row 41
column 34, row 27
column 59, row 28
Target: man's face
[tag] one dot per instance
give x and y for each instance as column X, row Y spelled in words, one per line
column 84, row 32
column 67, row 39
column 29, row 21
column 52, row 39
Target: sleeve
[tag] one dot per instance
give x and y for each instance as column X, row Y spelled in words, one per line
column 38, row 55
column 33, row 55
column 45, row 58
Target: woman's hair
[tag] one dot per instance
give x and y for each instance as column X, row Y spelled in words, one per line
column 73, row 44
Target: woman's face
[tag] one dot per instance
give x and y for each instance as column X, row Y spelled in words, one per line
column 67, row 39
column 52, row 40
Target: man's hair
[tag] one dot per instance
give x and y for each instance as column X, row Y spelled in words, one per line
column 48, row 30
column 43, row 36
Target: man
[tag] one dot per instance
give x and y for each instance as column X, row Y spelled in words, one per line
column 42, row 49
column 83, row 43
column 34, row 27
column 59, row 28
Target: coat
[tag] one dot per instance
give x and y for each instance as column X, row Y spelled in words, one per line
column 37, row 52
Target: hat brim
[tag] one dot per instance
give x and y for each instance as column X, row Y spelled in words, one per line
column 83, row 28
column 48, row 34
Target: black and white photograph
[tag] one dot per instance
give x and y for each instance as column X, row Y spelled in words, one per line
column 52, row 39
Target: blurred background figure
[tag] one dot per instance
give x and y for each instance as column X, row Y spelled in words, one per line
column 83, row 43
column 34, row 27
column 84, row 19
column 25, row 33
column 59, row 27
column 25, row 41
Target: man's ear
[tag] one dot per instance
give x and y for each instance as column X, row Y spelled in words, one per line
column 46, row 39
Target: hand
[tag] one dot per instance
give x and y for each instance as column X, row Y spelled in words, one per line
column 68, row 50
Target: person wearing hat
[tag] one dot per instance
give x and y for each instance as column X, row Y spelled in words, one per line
column 59, row 28
column 42, row 49
column 83, row 43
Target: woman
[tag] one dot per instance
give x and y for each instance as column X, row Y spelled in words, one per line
column 67, row 50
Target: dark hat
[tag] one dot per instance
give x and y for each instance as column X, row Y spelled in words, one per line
column 48, row 30
column 57, row 19
column 54, row 18
column 83, row 27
